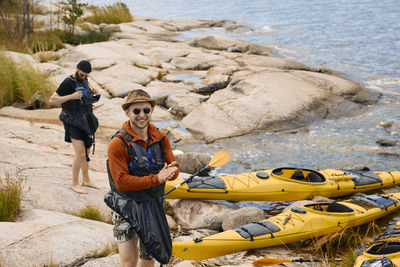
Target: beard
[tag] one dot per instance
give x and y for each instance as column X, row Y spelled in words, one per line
column 78, row 77
column 140, row 125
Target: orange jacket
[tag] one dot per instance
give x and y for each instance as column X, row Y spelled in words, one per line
column 118, row 159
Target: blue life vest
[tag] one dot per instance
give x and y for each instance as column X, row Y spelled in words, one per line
column 83, row 86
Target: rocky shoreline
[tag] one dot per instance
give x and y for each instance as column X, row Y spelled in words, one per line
column 215, row 87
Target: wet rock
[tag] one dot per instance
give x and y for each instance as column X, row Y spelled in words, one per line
column 256, row 103
column 387, row 143
column 388, row 154
column 242, row 217
column 367, row 97
column 385, row 124
column 238, row 29
column 392, row 127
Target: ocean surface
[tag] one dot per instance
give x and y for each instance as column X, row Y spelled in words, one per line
column 358, row 39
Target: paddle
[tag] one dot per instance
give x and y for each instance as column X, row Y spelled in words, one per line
column 271, row 262
column 220, row 158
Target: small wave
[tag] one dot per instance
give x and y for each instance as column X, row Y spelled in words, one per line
column 267, row 28
column 386, row 84
column 288, row 53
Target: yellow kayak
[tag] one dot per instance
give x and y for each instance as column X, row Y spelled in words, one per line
column 295, row 224
column 385, row 251
column 282, row 184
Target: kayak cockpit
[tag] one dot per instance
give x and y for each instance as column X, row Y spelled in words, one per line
column 385, row 247
column 329, row 207
column 303, row 175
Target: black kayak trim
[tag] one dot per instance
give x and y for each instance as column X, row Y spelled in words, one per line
column 255, row 229
column 208, row 182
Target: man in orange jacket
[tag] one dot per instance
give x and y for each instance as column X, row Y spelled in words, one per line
column 140, row 161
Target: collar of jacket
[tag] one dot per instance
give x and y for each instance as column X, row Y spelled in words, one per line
column 154, row 134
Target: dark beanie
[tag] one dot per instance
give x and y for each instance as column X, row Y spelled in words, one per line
column 84, row 66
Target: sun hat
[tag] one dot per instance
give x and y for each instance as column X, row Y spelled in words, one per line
column 135, row 96
column 84, row 66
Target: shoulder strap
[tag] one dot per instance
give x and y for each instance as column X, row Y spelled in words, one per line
column 120, row 137
column 139, row 155
column 158, row 154
column 134, row 146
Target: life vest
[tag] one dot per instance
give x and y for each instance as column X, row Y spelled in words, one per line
column 87, row 99
column 143, row 209
column 81, row 116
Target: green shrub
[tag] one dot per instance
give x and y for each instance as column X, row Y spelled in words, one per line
column 11, row 190
column 88, row 38
column 21, row 82
column 72, row 12
column 113, row 14
column 91, row 212
column 160, row 75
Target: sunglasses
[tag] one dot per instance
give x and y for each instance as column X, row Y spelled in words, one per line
column 146, row 110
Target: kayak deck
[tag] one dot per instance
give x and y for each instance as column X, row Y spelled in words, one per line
column 282, row 184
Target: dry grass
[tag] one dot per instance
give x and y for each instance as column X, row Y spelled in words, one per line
column 11, row 192
column 90, row 212
column 46, row 56
column 343, row 244
column 109, row 249
column 21, row 82
column 112, row 14
column 43, row 41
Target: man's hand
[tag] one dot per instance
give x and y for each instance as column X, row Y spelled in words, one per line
column 173, row 164
column 167, row 172
column 95, row 91
column 76, row 95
